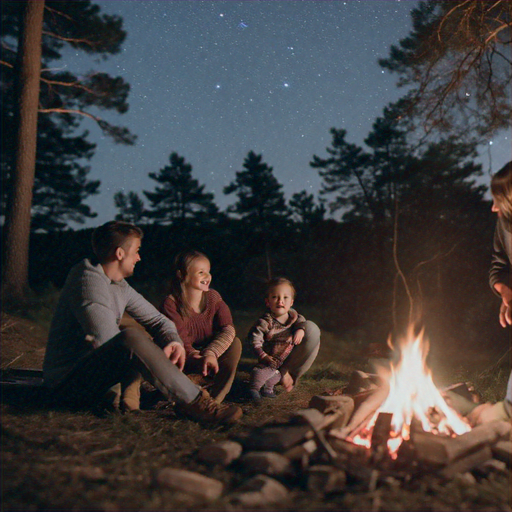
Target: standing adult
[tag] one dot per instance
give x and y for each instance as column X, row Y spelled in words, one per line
column 500, row 280
column 87, row 353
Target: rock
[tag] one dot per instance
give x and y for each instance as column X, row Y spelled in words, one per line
column 325, row 479
column 301, row 450
column 277, row 437
column 190, row 483
column 268, row 463
column 259, row 491
column 91, row 473
column 222, row 453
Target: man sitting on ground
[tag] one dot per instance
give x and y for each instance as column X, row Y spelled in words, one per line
column 87, row 353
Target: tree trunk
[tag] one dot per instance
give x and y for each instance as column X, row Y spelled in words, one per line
column 17, row 216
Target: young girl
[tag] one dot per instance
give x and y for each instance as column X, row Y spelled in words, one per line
column 279, row 334
column 204, row 324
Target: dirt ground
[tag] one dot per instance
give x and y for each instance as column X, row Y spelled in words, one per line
column 59, row 460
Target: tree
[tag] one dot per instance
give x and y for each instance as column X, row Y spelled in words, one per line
column 303, row 207
column 18, row 213
column 64, row 101
column 130, row 206
column 367, row 183
column 396, row 177
column 346, row 173
column 180, row 196
column 260, row 201
column 64, row 98
column 456, row 62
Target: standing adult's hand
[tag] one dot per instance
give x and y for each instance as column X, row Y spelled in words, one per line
column 506, row 313
column 506, row 304
column 176, row 353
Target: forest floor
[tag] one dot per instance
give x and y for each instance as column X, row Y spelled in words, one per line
column 60, row 460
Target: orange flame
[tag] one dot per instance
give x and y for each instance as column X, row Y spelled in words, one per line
column 412, row 394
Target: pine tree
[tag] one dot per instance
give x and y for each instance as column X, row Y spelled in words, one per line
column 261, row 200
column 456, row 64
column 179, row 196
column 31, row 86
column 371, row 184
column 61, row 184
column 303, row 207
column 130, row 206
column 346, row 174
column 261, row 205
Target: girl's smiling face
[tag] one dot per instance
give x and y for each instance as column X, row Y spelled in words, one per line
column 198, row 275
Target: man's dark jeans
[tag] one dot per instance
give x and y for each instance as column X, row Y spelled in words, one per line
column 119, row 360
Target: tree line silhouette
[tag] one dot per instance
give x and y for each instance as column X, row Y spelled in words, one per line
column 415, row 229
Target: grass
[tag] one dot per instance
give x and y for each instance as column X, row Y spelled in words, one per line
column 58, row 460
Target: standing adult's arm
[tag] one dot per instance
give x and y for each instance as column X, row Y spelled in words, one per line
column 499, row 273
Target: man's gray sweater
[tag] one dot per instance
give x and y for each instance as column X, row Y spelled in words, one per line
column 88, row 315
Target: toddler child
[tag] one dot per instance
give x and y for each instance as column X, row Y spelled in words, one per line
column 273, row 337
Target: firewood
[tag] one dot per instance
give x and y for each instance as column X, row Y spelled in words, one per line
column 320, row 438
column 467, row 462
column 266, row 463
column 321, row 421
column 309, row 416
column 502, row 451
column 365, row 411
column 325, row 479
column 380, row 436
column 347, row 450
column 362, row 381
column 327, row 404
column 381, row 429
column 439, row 449
column 302, row 450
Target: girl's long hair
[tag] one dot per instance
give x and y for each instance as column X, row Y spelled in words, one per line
column 501, row 189
column 180, row 267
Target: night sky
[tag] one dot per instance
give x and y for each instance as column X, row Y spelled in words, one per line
column 212, row 80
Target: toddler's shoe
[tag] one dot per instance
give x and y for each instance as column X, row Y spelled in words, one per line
column 268, row 393
column 254, row 394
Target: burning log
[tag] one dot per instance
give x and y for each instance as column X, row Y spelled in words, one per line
column 365, row 412
column 380, row 436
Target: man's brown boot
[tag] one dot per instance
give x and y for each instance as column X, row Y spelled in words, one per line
column 206, row 410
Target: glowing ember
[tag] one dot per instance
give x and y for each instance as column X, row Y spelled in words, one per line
column 412, row 394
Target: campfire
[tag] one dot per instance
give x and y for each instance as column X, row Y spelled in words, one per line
column 411, row 395
column 386, row 428
column 394, row 423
